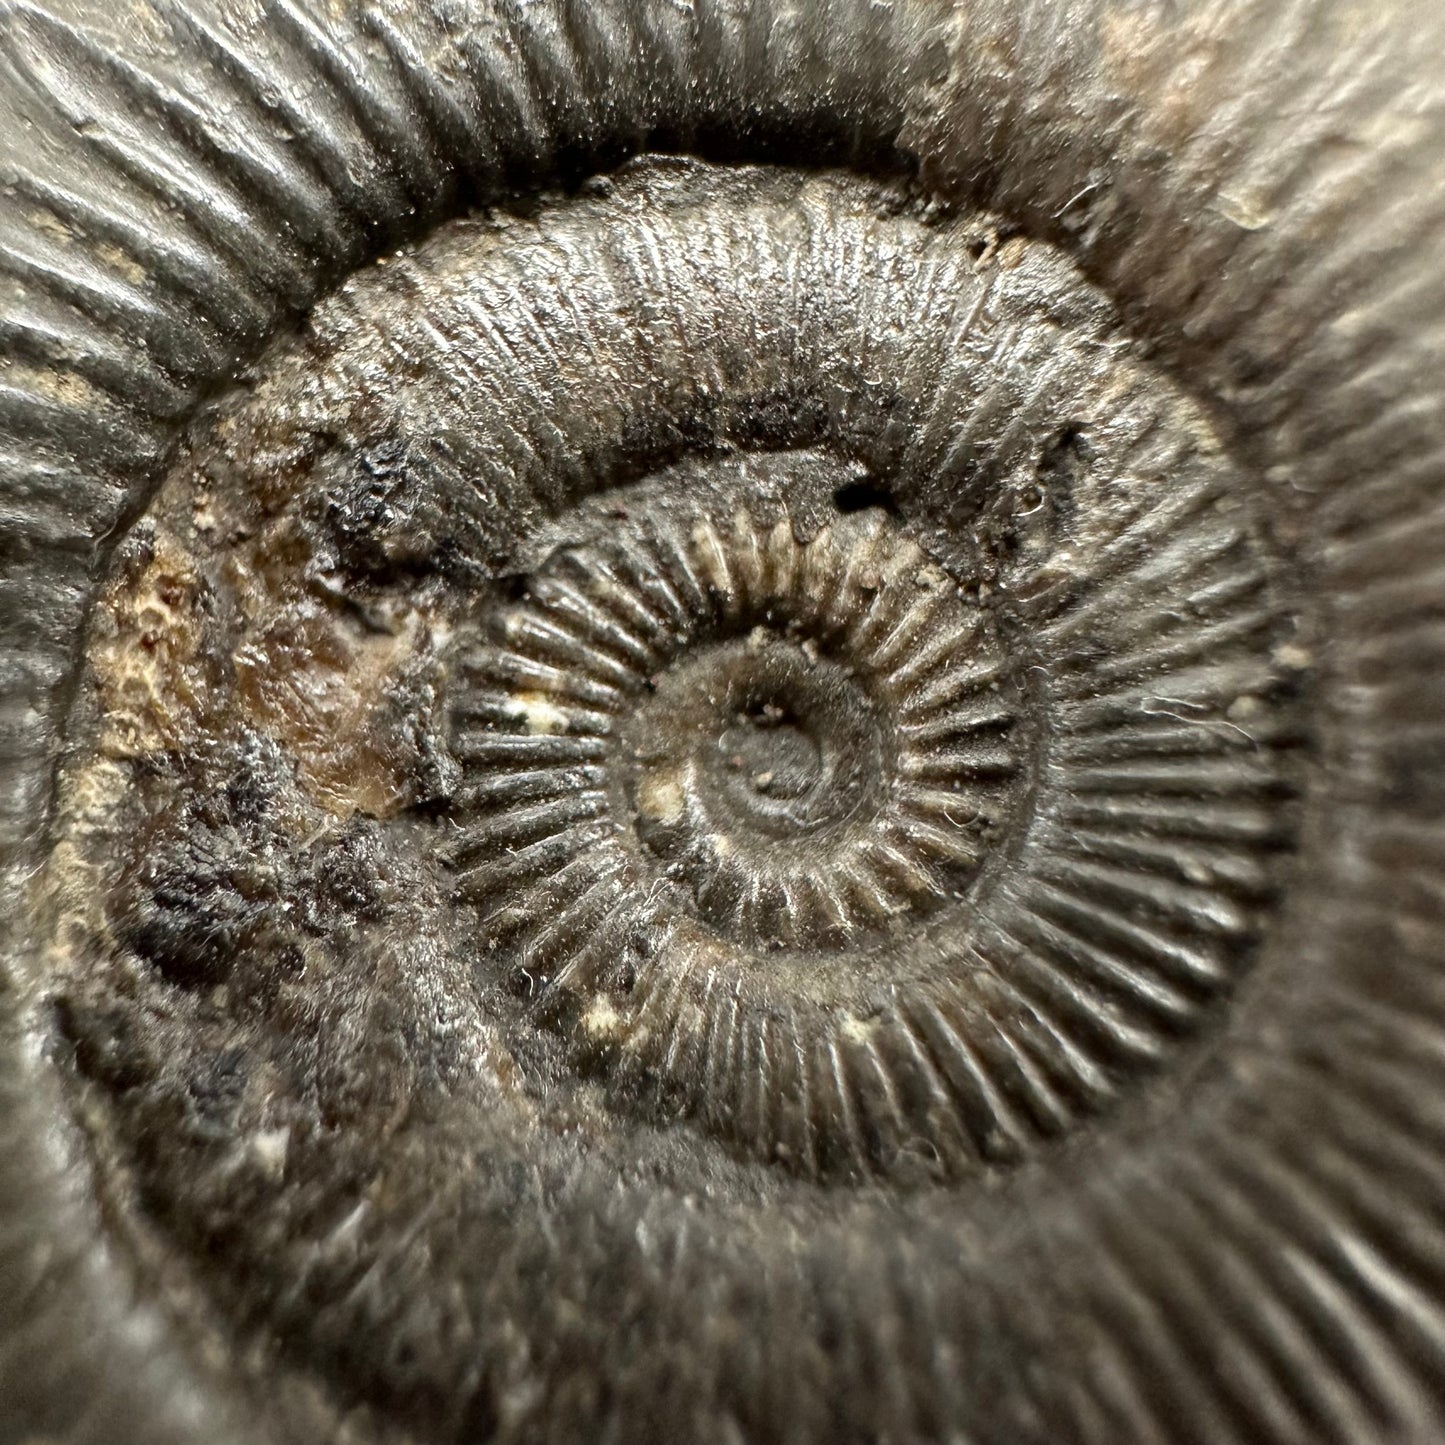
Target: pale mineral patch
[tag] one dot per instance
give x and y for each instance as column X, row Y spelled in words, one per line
column 660, row 796
column 540, row 715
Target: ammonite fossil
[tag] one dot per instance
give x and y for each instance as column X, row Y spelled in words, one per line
column 721, row 721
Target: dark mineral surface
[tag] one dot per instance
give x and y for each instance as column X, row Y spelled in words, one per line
column 722, row 722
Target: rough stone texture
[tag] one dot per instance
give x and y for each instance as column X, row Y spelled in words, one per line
column 1108, row 1112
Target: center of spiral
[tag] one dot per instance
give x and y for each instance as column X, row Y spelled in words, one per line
column 762, row 733
column 754, row 764
column 779, row 753
column 792, row 742
column 778, row 757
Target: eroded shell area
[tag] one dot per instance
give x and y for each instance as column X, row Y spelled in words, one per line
column 719, row 694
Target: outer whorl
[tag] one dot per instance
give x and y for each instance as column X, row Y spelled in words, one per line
column 721, row 722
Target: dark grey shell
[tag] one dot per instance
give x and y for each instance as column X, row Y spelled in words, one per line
column 904, row 898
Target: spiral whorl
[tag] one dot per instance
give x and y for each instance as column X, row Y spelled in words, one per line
column 727, row 682
column 720, row 722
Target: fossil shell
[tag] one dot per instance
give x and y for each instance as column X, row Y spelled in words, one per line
column 721, row 722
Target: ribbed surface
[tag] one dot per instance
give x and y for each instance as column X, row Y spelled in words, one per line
column 1141, row 881
column 634, row 844
column 178, row 188
column 1258, row 187
column 1157, row 642
column 178, row 182
column 570, row 665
